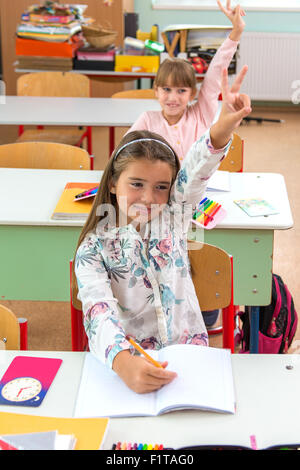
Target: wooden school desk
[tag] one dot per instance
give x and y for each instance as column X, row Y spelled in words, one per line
column 35, row 250
column 260, row 381
column 250, row 239
column 58, row 111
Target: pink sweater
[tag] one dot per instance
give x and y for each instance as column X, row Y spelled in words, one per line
column 199, row 116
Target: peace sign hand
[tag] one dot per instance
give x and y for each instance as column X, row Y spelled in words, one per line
column 235, row 107
column 235, row 17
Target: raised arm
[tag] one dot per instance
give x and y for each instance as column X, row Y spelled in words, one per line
column 235, row 106
column 211, row 86
column 235, row 16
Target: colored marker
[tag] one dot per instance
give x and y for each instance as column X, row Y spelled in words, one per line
column 88, row 192
column 145, row 447
column 216, row 209
column 208, row 215
column 141, row 350
column 140, row 447
column 201, row 218
column 201, row 208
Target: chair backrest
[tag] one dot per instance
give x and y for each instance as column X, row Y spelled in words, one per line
column 233, row 161
column 211, row 273
column 9, row 329
column 139, row 94
column 44, row 155
column 62, row 84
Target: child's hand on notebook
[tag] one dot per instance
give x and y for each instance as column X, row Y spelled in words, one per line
column 139, row 374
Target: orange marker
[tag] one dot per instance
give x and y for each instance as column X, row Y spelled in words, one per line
column 141, row 350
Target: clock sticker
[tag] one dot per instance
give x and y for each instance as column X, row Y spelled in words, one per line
column 27, row 379
column 22, row 389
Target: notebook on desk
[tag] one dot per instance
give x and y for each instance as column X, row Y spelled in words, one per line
column 67, row 208
column 204, row 381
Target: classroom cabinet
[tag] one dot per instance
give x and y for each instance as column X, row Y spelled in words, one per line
column 102, row 12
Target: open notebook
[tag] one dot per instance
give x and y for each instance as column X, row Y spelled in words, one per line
column 204, row 381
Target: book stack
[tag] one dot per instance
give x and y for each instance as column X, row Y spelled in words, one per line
column 49, row 35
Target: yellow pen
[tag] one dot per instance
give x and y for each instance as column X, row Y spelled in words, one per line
column 141, row 350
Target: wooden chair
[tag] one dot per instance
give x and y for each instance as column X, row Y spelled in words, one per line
column 233, row 161
column 130, row 94
column 212, row 277
column 56, row 84
column 139, row 94
column 211, row 269
column 13, row 333
column 47, row 155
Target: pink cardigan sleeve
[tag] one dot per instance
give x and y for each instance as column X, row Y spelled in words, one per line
column 210, row 90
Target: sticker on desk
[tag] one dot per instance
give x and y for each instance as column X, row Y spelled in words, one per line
column 27, row 380
column 255, row 207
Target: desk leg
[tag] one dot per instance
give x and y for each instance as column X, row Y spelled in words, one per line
column 254, row 328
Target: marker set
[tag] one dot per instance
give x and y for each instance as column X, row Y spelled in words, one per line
column 208, row 213
column 135, row 446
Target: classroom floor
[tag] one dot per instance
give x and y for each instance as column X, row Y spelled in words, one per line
column 269, row 147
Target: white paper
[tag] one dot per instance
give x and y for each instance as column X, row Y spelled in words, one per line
column 219, row 181
column 204, row 381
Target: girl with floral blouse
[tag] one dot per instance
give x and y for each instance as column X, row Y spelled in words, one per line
column 131, row 264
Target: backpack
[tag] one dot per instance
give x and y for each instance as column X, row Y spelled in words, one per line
column 277, row 322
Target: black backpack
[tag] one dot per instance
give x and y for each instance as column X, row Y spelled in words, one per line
column 277, row 322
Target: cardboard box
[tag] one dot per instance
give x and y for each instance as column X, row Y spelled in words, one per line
column 32, row 47
column 134, row 63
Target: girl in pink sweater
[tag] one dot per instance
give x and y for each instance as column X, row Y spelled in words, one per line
column 180, row 122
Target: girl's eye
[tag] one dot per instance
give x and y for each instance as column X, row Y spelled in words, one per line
column 137, row 185
column 163, row 187
column 182, row 90
column 166, row 89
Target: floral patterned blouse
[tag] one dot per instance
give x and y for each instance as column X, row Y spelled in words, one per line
column 139, row 284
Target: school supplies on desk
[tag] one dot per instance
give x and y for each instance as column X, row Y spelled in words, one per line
column 89, row 433
column 136, row 446
column 208, row 213
column 255, row 207
column 67, row 208
column 86, row 194
column 27, row 380
column 48, row 440
column 103, row 393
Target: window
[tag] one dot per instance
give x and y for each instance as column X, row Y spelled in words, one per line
column 250, row 5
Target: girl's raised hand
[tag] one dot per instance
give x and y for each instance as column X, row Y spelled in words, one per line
column 235, row 106
column 235, row 17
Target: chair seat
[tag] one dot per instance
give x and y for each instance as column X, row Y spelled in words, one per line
column 61, row 136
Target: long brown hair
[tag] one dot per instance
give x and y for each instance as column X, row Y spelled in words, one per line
column 156, row 148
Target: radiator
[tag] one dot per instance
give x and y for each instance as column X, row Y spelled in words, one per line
column 274, row 66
